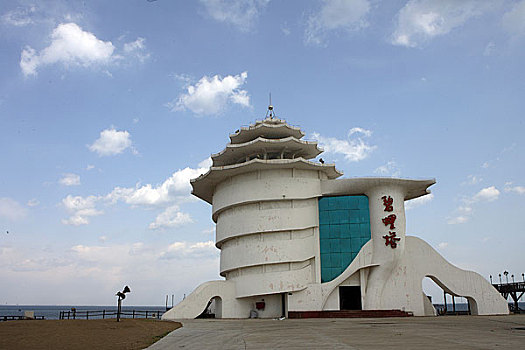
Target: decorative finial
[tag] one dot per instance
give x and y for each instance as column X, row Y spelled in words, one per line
column 269, row 112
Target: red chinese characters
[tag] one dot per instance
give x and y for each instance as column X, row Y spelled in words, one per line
column 387, row 202
column 390, row 239
column 389, row 220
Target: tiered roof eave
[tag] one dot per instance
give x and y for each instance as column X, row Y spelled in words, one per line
column 204, row 185
column 237, row 153
column 269, row 128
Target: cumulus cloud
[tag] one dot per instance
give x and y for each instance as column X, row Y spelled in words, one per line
column 335, row 16
column 111, row 142
column 421, row 20
column 171, row 217
column 167, row 195
column 419, row 201
column 177, row 185
column 514, row 20
column 185, row 249
column 71, row 46
column 354, row 148
column 515, row 189
column 242, row 14
column 81, row 209
column 488, row 194
column 70, row 179
column 389, row 169
column 465, row 211
column 11, row 209
column 211, row 95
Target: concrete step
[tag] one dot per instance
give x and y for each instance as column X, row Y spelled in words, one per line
column 349, row 314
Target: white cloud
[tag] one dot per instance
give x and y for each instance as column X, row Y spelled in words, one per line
column 11, row 209
column 488, row 194
column 419, row 201
column 354, row 148
column 336, row 15
column 473, row 180
column 516, row 189
column 465, row 210
column 173, row 191
column 185, row 249
column 421, row 20
column 71, row 46
column 19, row 17
column 242, row 14
column 389, row 169
column 177, row 185
column 33, row 202
column 70, row 179
column 137, row 49
column 81, row 209
column 458, row 220
column 211, row 96
column 171, row 217
column 111, row 142
column 514, row 20
column 90, row 167
column 443, row 245
column 103, row 239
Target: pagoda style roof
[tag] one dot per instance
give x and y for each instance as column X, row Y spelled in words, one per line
column 269, row 128
column 204, row 185
column 263, row 148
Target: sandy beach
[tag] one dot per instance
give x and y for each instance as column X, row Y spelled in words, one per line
column 83, row 334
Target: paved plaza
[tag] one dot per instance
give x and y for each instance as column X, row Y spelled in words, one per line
column 449, row 332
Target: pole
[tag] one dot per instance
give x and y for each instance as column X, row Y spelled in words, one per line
column 172, row 300
column 118, row 309
column 445, row 301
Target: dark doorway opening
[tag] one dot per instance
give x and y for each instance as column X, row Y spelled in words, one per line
column 350, row 298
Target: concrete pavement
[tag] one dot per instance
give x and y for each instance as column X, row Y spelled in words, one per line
column 453, row 332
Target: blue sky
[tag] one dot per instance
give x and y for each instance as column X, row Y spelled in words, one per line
column 107, row 109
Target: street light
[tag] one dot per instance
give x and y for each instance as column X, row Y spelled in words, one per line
column 506, row 273
column 490, row 279
column 499, row 274
column 512, row 278
column 523, row 276
column 121, row 296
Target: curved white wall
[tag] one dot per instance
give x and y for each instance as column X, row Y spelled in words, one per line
column 267, row 230
column 266, row 185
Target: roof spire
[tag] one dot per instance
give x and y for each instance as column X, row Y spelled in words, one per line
column 270, row 113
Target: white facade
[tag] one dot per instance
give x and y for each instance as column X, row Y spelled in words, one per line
column 265, row 201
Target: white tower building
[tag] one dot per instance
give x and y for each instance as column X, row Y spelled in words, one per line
column 293, row 238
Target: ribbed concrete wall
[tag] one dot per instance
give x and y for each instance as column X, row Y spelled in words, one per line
column 267, row 230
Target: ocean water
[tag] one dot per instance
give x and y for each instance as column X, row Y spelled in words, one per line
column 52, row 312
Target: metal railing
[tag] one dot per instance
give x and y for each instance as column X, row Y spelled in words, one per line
column 103, row 314
column 18, row 317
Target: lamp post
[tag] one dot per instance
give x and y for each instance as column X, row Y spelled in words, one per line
column 512, row 276
column 506, row 273
column 121, row 296
column 499, row 274
column 523, row 277
column 490, row 279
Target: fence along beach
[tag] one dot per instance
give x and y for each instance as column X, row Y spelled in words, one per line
column 55, row 312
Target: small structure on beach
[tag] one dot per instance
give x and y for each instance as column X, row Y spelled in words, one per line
column 295, row 238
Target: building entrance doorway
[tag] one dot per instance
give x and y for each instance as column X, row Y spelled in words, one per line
column 350, row 298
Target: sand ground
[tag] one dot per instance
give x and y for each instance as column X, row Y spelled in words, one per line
column 83, row 334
